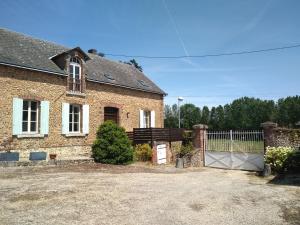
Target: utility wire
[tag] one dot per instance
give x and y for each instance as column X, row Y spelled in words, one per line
column 206, row 55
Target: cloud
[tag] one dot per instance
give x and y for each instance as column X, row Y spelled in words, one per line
column 258, row 18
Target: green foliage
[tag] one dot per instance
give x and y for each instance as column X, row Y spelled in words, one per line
column 112, row 145
column 242, row 113
column 134, row 63
column 187, row 145
column 190, row 115
column 205, row 115
column 293, row 162
column 171, row 116
column 143, row 152
column 277, row 157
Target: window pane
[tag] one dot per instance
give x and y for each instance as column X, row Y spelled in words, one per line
column 33, row 116
column 25, row 105
column 33, row 126
column 71, row 69
column 77, row 71
column 25, row 126
column 70, row 127
column 70, row 118
column 71, row 108
column 25, row 115
column 76, row 127
column 33, row 106
column 76, row 118
column 76, row 109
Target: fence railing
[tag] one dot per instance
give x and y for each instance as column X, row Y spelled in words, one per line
column 149, row 135
column 235, row 141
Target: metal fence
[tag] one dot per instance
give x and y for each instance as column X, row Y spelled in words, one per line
column 235, row 141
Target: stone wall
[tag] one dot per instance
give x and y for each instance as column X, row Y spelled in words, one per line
column 276, row 136
column 40, row 86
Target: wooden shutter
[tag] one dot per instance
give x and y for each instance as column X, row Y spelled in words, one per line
column 44, row 117
column 85, row 120
column 17, row 116
column 142, row 125
column 152, row 118
column 65, row 118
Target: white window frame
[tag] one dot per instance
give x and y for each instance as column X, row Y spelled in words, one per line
column 72, row 73
column 75, row 64
column 147, row 125
column 72, row 123
column 29, row 117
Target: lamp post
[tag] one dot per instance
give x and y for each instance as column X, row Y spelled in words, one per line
column 180, row 99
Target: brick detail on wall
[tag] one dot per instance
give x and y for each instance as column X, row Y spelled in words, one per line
column 277, row 136
column 199, row 140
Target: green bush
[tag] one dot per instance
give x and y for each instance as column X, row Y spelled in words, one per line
column 277, row 157
column 293, row 162
column 187, row 145
column 112, row 145
column 143, row 152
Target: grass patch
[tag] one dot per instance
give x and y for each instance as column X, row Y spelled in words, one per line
column 226, row 145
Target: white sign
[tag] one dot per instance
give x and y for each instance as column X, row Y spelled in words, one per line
column 161, row 153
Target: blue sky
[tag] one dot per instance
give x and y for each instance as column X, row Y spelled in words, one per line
column 177, row 27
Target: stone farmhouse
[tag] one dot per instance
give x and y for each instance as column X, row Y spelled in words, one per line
column 54, row 98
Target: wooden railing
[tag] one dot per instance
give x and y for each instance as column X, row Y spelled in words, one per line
column 149, row 135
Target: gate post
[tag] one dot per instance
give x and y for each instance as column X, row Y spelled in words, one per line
column 199, row 141
column 268, row 128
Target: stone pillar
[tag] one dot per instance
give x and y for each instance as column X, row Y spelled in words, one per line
column 199, row 138
column 269, row 138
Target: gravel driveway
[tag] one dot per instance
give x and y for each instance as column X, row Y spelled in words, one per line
column 136, row 194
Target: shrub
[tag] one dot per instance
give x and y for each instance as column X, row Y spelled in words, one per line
column 112, row 145
column 187, row 145
column 293, row 162
column 277, row 157
column 143, row 152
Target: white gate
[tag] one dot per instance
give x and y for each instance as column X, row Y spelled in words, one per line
column 243, row 150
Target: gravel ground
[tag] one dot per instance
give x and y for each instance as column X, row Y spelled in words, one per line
column 140, row 194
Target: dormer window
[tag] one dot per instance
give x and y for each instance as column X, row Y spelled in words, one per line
column 75, row 74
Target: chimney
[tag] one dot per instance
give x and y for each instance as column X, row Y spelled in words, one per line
column 92, row 51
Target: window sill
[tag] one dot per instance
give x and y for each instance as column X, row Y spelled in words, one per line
column 75, row 135
column 30, row 135
column 75, row 93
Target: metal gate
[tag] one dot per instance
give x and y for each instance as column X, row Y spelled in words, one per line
column 242, row 150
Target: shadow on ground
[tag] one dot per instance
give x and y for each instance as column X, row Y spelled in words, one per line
column 286, row 179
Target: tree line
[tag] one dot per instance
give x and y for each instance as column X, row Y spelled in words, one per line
column 242, row 113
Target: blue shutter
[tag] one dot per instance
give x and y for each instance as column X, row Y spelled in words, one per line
column 85, row 119
column 44, row 117
column 65, row 118
column 17, row 116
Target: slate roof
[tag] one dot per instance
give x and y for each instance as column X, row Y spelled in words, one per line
column 24, row 51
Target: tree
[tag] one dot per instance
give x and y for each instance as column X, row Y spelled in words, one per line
column 288, row 111
column 171, row 116
column 190, row 115
column 220, row 118
column 205, row 115
column 134, row 63
column 213, row 123
column 242, row 113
